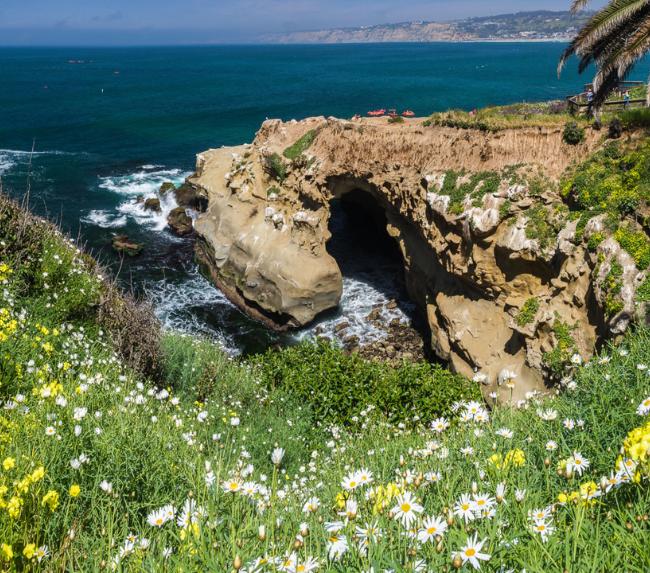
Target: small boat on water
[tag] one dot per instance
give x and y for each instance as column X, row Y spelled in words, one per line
column 408, row 113
column 392, row 113
column 377, row 112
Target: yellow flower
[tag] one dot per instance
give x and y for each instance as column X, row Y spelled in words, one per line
column 9, row 464
column 515, row 457
column 51, row 500
column 14, row 507
column 30, row 550
column 37, row 474
column 75, row 490
column 7, row 552
column 562, row 498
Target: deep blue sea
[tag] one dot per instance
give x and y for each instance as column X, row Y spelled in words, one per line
column 110, row 124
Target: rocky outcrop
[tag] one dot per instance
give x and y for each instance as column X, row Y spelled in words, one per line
column 152, row 204
column 123, row 245
column 478, row 222
column 180, row 222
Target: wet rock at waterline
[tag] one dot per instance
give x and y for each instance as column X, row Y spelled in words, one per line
column 180, row 222
column 472, row 258
column 152, row 204
column 123, row 245
column 166, row 188
column 191, row 196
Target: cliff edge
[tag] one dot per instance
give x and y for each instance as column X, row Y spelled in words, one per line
column 492, row 256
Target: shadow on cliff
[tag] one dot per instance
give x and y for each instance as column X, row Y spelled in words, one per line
column 367, row 256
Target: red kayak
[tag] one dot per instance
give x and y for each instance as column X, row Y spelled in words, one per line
column 408, row 113
column 377, row 112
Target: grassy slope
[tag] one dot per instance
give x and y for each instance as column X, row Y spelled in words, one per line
column 197, row 420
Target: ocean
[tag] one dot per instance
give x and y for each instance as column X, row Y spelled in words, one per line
column 109, row 124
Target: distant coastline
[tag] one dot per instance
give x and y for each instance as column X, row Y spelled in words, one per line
column 538, row 26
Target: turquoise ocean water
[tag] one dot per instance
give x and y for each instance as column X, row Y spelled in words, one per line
column 110, row 124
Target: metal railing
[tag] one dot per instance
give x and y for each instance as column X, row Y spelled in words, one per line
column 578, row 104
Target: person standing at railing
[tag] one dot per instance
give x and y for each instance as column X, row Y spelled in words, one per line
column 626, row 99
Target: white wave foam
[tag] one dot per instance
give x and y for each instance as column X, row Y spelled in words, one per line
column 359, row 298
column 145, row 217
column 145, row 182
column 9, row 158
column 104, row 219
column 174, row 302
column 142, row 182
column 5, row 163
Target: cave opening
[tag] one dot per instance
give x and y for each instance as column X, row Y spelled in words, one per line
column 371, row 264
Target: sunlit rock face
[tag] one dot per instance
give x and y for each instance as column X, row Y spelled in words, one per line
column 466, row 209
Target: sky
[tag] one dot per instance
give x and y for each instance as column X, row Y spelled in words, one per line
column 31, row 22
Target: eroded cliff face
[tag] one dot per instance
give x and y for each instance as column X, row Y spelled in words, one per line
column 490, row 255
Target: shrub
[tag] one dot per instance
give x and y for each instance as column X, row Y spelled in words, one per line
column 527, row 312
column 504, row 209
column 300, row 146
column 557, row 360
column 476, row 187
column 133, row 328
column 615, row 129
column 636, row 118
column 275, row 167
column 339, row 385
column 573, row 134
column 612, row 286
column 396, row 119
column 543, row 225
column 49, row 264
column 636, row 243
column 643, row 291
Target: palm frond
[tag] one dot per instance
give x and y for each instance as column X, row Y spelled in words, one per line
column 600, row 25
column 577, row 5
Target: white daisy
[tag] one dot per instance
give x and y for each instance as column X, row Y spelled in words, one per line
column 471, row 552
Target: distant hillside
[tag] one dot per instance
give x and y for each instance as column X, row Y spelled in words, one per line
column 538, row 25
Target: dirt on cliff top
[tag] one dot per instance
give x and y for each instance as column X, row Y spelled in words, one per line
column 364, row 143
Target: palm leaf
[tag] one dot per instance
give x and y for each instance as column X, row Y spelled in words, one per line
column 600, row 25
column 577, row 5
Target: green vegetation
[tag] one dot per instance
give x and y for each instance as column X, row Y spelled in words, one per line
column 300, row 146
column 123, row 450
column 504, row 210
column 275, row 167
column 494, row 119
column 638, row 118
column 396, row 119
column 273, row 190
column 476, row 186
column 573, row 134
column 558, row 360
column 612, row 286
column 339, row 386
column 636, row 243
column 643, row 291
column 614, row 182
column 527, row 312
column 543, row 224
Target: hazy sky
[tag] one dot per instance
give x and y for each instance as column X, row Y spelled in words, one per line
column 183, row 21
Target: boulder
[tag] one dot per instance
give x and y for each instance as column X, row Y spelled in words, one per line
column 190, row 196
column 180, row 222
column 166, row 188
column 152, row 204
column 122, row 244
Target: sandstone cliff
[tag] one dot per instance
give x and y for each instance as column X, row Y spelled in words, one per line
column 490, row 255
